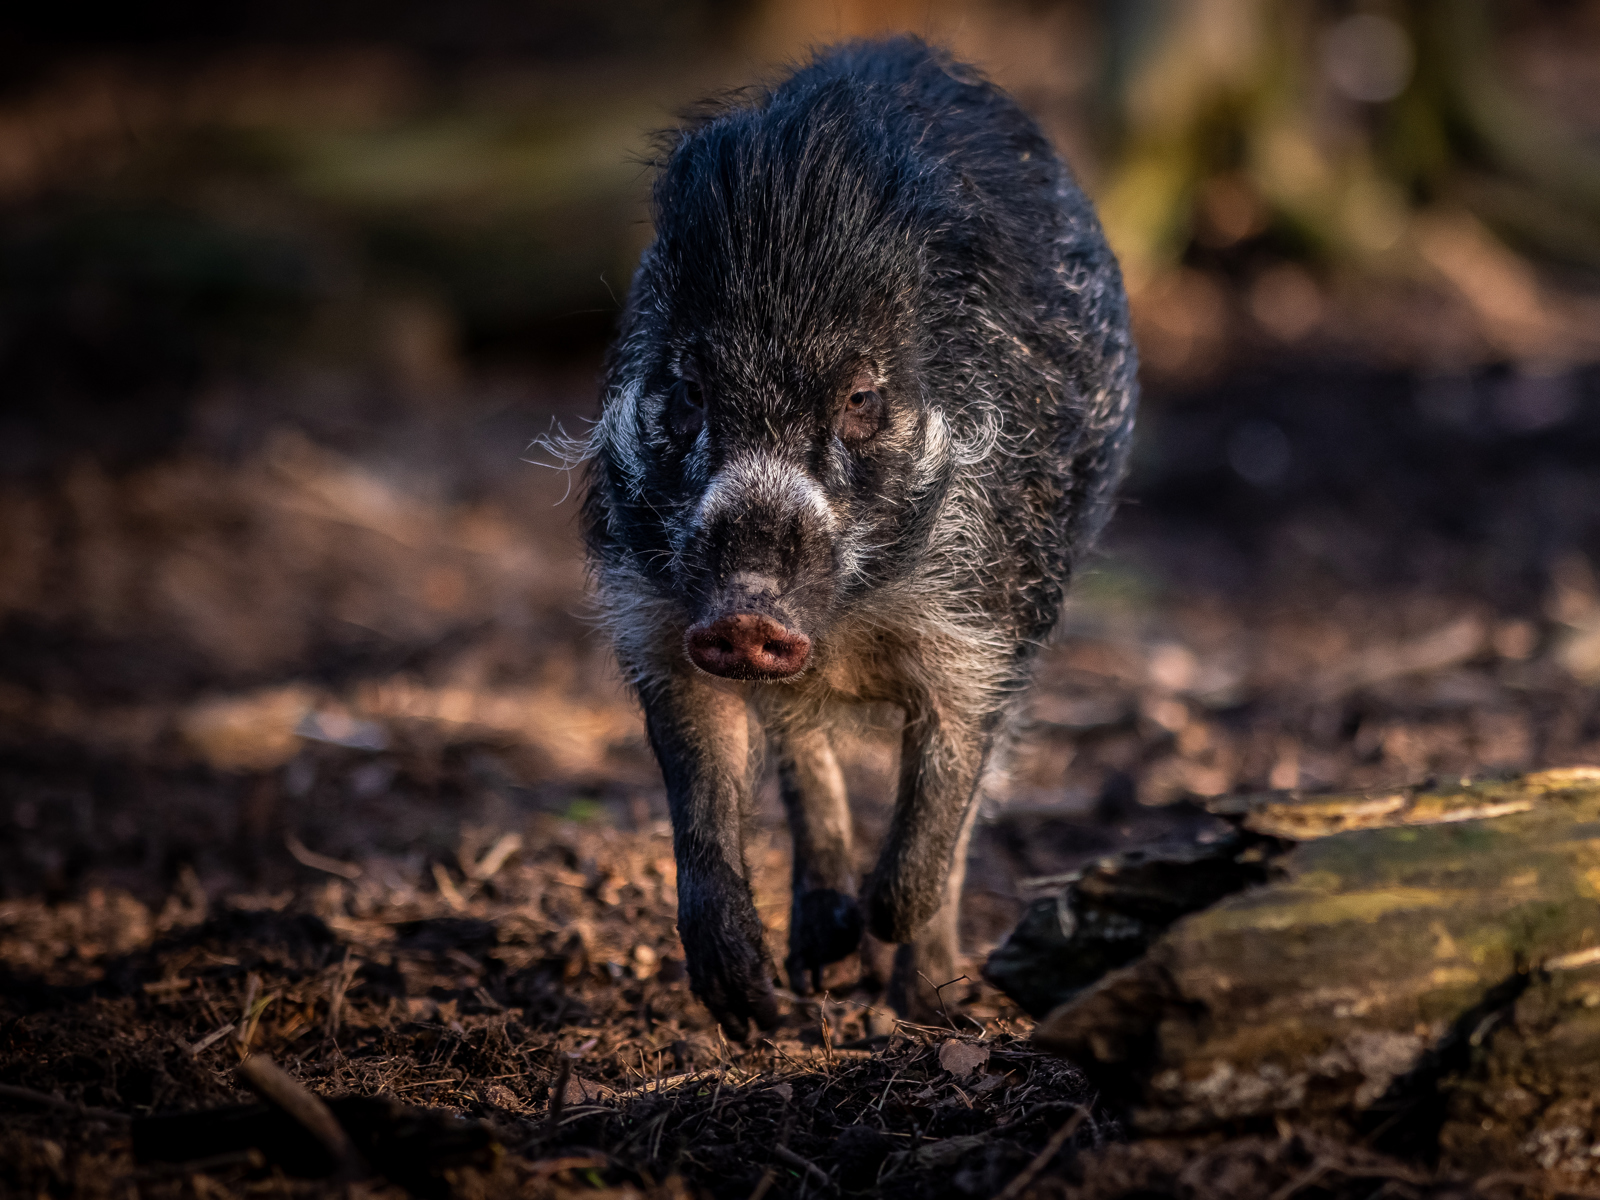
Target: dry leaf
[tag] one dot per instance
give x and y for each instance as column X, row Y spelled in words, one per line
column 962, row 1058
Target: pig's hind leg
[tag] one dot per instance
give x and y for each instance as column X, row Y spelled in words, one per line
column 700, row 732
column 825, row 924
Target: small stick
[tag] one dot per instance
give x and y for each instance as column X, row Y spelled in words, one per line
column 319, row 862
column 805, row 1164
column 558, row 1090
column 1312, row 1173
column 489, row 865
column 1042, row 1160
column 274, row 1085
column 210, row 1039
column 233, row 1158
column 572, row 1162
column 252, row 985
column 886, row 1087
column 336, row 991
column 938, row 994
column 448, row 891
column 22, row 1095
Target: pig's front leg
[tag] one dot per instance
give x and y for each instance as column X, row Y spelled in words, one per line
column 700, row 733
column 824, row 925
column 923, row 966
column 941, row 759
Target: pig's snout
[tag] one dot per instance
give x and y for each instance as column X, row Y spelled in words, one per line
column 758, row 560
column 748, row 646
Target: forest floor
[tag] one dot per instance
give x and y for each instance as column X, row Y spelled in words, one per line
column 306, row 750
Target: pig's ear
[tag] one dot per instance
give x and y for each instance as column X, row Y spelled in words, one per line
column 863, row 411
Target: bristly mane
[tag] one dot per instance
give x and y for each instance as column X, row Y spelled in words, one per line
column 886, row 192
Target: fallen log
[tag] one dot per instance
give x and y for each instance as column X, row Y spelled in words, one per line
column 1110, row 913
column 1420, row 967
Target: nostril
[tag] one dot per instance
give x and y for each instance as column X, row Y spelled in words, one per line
column 748, row 646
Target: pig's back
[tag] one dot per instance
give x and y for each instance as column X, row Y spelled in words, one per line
column 955, row 117
column 1034, row 321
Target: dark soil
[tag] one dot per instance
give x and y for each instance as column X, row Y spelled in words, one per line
column 305, row 750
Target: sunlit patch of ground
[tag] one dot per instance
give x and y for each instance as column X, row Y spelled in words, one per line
column 309, row 749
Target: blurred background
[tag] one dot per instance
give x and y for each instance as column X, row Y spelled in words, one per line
column 288, row 290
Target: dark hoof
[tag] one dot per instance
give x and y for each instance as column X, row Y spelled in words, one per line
column 740, row 999
column 736, row 1013
column 825, row 927
column 921, row 973
column 733, row 977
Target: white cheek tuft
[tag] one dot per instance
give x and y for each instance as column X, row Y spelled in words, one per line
column 969, row 452
column 935, row 460
column 618, row 431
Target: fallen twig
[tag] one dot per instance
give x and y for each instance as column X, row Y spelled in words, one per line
column 938, row 994
column 558, row 1091
column 22, row 1095
column 667, row 1083
column 448, row 891
column 1042, row 1160
column 211, row 1039
column 233, row 1158
column 1312, row 1173
column 1444, row 647
column 489, row 865
column 307, row 857
column 336, row 991
column 546, row 1167
column 274, row 1085
column 805, row 1164
column 252, row 986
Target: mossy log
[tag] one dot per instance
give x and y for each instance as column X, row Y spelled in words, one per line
column 1423, row 967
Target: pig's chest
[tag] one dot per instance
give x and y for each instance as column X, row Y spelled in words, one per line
column 896, row 662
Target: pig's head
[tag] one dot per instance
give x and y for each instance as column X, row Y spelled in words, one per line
column 768, row 446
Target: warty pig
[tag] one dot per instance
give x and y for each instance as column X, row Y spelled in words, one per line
column 872, row 392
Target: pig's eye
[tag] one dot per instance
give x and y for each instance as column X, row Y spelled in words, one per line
column 686, row 409
column 862, row 416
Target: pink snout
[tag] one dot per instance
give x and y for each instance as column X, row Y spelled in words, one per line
column 748, row 646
